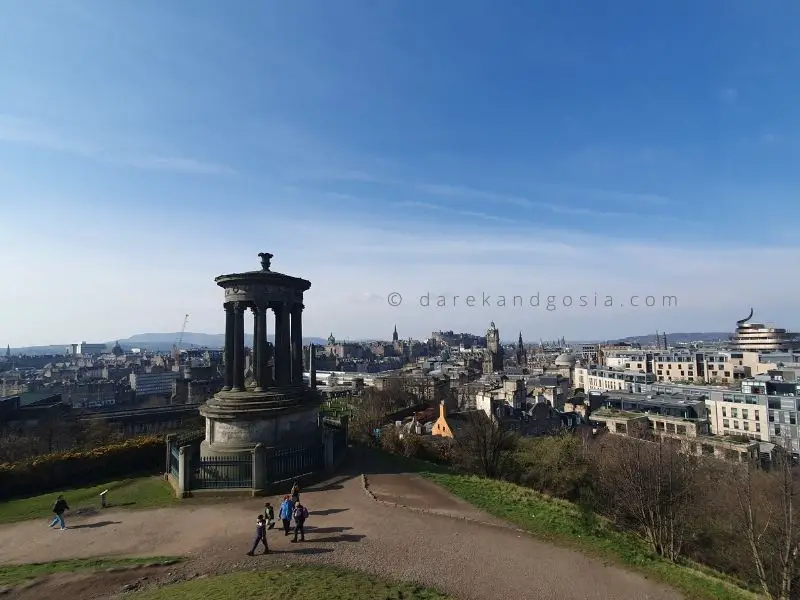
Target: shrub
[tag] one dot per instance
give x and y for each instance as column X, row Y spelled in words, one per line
column 82, row 467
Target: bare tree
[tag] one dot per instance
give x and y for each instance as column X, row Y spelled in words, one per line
column 484, row 445
column 766, row 503
column 651, row 486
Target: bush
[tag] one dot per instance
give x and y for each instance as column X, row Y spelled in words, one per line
column 82, row 467
column 555, row 465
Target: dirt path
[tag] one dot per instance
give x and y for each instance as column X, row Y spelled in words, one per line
column 348, row 528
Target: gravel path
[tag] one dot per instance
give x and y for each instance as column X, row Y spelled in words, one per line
column 347, row 527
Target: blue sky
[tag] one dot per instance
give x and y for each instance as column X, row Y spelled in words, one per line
column 384, row 145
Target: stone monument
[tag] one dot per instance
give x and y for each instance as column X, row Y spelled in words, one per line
column 277, row 408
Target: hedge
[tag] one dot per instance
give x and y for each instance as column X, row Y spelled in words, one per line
column 62, row 470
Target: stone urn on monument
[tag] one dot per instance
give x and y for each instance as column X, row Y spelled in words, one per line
column 277, row 407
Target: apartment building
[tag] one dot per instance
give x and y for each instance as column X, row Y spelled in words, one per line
column 152, row 384
column 683, row 365
column 690, row 435
column 611, row 379
column 764, row 410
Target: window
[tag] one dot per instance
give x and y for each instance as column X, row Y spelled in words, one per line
column 757, row 413
column 777, row 429
column 792, row 419
column 727, row 373
column 734, row 412
column 681, row 429
column 746, row 426
column 771, row 416
column 744, row 413
column 724, row 412
column 758, row 426
column 736, row 424
column 726, row 423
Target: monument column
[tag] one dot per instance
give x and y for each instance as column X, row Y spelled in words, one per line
column 229, row 328
column 283, row 357
column 238, row 347
column 260, row 346
column 297, row 343
column 257, row 333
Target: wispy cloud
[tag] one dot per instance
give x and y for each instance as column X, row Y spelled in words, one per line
column 14, row 130
column 176, row 165
column 454, row 211
column 563, row 209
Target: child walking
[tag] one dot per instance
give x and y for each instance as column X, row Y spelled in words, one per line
column 269, row 515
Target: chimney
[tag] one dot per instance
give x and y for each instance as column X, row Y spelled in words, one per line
column 441, row 410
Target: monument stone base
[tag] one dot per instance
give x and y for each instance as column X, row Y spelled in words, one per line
column 236, row 422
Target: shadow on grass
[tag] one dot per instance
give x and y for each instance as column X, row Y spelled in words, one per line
column 120, row 504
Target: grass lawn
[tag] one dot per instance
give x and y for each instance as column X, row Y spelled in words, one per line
column 141, row 492
column 297, row 582
column 564, row 523
column 15, row 574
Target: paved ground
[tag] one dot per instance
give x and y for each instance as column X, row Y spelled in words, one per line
column 348, row 528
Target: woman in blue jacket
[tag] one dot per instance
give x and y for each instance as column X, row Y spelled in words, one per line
column 285, row 513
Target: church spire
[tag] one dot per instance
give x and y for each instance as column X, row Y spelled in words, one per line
column 395, row 337
column 8, row 351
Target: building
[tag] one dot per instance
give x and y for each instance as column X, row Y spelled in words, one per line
column 493, row 355
column 511, row 393
column 611, row 379
column 84, row 349
column 756, row 337
column 152, row 384
column 689, row 435
column 684, row 365
column 550, row 387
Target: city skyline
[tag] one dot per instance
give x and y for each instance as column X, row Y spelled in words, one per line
column 454, row 148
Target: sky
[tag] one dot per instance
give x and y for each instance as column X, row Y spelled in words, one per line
column 452, row 148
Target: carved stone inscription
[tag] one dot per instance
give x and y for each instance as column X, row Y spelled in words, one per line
column 231, row 432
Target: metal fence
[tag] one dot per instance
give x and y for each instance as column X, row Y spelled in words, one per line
column 174, row 461
column 222, row 472
column 288, row 463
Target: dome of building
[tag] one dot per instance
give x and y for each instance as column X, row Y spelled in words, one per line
column 565, row 360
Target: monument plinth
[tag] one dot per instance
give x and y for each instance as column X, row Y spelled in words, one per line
column 275, row 407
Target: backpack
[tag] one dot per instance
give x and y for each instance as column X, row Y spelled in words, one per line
column 300, row 513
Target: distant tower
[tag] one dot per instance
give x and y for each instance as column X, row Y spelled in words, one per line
column 8, row 351
column 395, row 337
column 665, row 341
column 521, row 354
column 493, row 339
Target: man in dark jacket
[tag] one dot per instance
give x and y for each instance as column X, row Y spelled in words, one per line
column 261, row 536
column 58, row 510
column 300, row 516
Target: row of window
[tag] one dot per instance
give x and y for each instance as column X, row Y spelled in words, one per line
column 745, row 413
column 745, row 425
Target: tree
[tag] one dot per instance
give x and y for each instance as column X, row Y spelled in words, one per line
column 484, row 445
column 766, row 503
column 651, row 486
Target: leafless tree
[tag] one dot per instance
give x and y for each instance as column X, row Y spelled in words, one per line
column 651, row 486
column 766, row 503
column 484, row 445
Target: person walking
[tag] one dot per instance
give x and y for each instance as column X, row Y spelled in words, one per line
column 285, row 513
column 300, row 516
column 59, row 508
column 261, row 536
column 269, row 515
column 295, row 492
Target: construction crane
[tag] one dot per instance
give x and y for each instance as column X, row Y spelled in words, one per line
column 176, row 347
